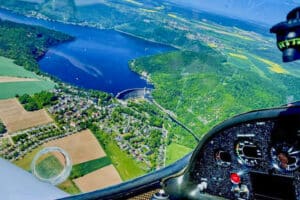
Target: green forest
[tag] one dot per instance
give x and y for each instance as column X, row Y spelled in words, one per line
column 25, row 44
column 2, row 128
column 38, row 100
column 204, row 89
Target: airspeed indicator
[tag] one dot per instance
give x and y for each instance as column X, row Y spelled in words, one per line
column 248, row 153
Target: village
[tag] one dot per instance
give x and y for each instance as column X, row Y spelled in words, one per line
column 133, row 128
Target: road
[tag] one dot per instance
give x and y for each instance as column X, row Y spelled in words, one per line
column 174, row 118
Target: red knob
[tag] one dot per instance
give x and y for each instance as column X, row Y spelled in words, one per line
column 235, row 178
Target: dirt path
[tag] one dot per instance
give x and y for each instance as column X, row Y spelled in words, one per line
column 8, row 79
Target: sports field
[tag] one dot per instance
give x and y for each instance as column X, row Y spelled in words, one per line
column 16, row 118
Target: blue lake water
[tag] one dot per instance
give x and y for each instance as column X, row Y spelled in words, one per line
column 96, row 59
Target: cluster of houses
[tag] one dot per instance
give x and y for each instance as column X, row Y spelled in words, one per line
column 133, row 135
column 5, row 147
column 24, row 141
column 190, row 34
column 73, row 110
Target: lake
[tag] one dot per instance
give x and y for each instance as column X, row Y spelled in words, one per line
column 96, row 59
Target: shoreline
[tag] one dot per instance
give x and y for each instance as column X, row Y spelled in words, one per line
column 176, row 48
column 57, row 80
column 87, row 25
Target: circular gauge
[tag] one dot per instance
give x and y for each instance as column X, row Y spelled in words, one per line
column 223, row 158
column 248, row 153
column 285, row 157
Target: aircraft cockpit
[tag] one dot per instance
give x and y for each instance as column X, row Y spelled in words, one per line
column 254, row 155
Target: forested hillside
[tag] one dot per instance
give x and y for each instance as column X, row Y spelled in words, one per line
column 25, row 44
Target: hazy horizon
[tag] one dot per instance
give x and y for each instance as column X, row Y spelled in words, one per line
column 266, row 12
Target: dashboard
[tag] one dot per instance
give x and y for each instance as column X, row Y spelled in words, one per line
column 252, row 156
column 253, row 160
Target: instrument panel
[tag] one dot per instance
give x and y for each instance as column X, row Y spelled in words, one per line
column 254, row 160
column 255, row 155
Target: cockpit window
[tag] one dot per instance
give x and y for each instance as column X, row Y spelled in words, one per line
column 97, row 92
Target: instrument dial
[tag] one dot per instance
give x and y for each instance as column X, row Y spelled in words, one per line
column 223, row 158
column 285, row 157
column 248, row 153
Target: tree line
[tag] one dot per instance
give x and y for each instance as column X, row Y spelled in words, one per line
column 37, row 101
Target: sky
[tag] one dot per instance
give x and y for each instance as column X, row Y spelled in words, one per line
column 267, row 12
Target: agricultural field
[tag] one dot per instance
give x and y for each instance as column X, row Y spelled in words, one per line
column 127, row 167
column 16, row 118
column 175, row 152
column 82, row 147
column 85, row 168
column 90, row 163
column 9, row 68
column 25, row 162
column 87, row 157
column 69, row 187
column 8, row 79
column 15, row 80
column 104, row 177
column 49, row 167
column 10, row 90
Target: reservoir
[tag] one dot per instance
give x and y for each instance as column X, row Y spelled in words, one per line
column 96, row 59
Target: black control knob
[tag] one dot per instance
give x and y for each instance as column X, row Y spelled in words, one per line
column 161, row 195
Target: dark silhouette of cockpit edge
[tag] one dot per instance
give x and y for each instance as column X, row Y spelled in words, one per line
column 288, row 36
